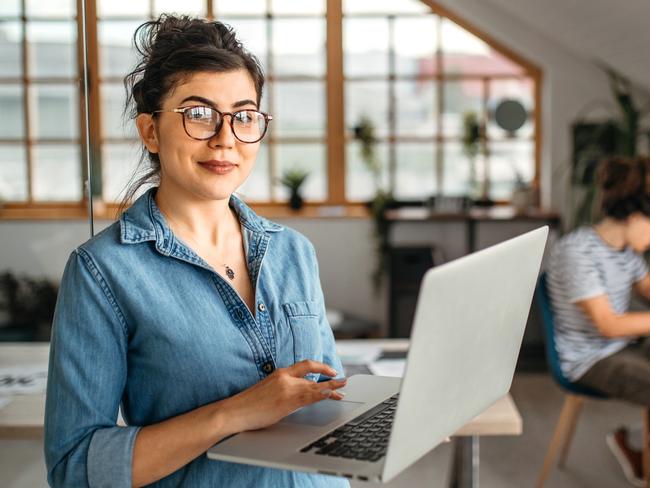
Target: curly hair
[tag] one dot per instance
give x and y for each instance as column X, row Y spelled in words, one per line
column 172, row 48
column 624, row 185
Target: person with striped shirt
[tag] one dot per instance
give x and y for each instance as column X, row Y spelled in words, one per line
column 592, row 273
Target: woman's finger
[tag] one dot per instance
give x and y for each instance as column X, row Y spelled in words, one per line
column 307, row 366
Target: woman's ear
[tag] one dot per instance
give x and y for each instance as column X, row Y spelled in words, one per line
column 147, row 131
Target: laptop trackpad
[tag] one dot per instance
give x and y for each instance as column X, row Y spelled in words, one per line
column 322, row 413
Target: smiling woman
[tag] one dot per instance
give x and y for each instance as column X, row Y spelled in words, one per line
column 177, row 312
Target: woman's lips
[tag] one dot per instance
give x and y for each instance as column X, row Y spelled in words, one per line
column 218, row 167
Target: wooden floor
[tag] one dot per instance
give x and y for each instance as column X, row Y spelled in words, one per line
column 506, row 462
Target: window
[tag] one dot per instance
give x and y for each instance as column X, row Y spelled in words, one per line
column 39, row 102
column 414, row 72
column 416, row 75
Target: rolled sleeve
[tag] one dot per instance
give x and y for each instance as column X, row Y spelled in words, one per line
column 86, row 380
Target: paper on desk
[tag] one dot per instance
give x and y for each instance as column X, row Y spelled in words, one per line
column 4, row 401
column 388, row 367
column 357, row 353
column 23, row 380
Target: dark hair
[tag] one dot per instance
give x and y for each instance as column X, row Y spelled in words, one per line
column 624, row 184
column 172, row 48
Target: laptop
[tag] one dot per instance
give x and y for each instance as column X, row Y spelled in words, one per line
column 468, row 327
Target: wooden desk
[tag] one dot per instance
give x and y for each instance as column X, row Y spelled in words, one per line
column 23, row 417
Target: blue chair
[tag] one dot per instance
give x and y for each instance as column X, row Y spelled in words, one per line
column 575, row 394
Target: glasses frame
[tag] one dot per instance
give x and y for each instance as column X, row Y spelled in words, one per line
column 182, row 110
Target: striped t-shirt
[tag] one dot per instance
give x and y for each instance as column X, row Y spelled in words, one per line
column 581, row 266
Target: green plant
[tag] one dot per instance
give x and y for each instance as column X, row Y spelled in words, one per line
column 617, row 136
column 364, row 132
column 293, row 180
column 473, row 144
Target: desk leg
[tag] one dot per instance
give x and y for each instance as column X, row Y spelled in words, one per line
column 466, row 462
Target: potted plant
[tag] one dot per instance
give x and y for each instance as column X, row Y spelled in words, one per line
column 593, row 141
column 293, row 179
column 364, row 132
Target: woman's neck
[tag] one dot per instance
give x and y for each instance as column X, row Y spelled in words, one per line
column 205, row 222
column 613, row 233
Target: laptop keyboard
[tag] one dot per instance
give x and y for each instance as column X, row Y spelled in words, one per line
column 364, row 438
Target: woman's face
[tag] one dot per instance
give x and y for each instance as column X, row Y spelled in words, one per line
column 209, row 169
column 638, row 232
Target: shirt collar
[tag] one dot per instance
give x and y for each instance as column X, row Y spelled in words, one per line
column 143, row 221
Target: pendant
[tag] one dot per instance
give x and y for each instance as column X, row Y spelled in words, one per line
column 229, row 272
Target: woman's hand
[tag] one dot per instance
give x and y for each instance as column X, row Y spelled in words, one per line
column 277, row 395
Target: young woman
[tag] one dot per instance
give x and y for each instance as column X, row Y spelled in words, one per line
column 591, row 275
column 197, row 317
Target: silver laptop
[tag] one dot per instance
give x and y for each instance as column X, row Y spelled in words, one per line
column 468, row 326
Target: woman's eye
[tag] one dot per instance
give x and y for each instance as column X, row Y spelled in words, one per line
column 244, row 117
column 200, row 114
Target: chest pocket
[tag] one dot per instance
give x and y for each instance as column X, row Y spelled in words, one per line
column 303, row 319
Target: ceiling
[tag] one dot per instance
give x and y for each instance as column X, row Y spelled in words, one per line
column 616, row 33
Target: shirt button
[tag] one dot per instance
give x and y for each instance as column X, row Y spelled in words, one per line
column 240, row 314
column 268, row 368
column 261, row 307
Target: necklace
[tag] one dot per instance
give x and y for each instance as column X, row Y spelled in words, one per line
column 229, row 271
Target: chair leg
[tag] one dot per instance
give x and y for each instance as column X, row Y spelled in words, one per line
column 646, row 446
column 571, row 429
column 566, row 423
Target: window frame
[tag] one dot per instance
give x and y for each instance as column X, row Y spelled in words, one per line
column 335, row 139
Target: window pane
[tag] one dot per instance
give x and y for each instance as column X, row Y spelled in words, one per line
column 188, row 7
column 119, row 162
column 299, row 108
column 520, row 90
column 510, row 161
column 462, row 174
column 252, row 34
column 369, row 99
column 297, row 7
column 121, row 8
column 10, row 57
column 113, row 123
column 116, row 55
column 12, row 122
column 359, row 182
column 257, row 187
column 415, row 175
column 249, row 7
column 416, row 108
column 52, row 49
column 13, row 173
column 51, row 8
column 365, row 45
column 465, row 53
column 54, row 111
column 384, row 6
column 10, row 8
column 415, row 44
column 57, row 172
column 460, row 97
column 309, row 157
column 299, row 47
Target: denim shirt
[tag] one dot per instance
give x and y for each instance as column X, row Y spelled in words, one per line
column 143, row 323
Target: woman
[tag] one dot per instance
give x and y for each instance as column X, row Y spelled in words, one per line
column 591, row 275
column 199, row 318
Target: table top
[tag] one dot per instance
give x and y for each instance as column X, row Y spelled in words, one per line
column 497, row 213
column 23, row 417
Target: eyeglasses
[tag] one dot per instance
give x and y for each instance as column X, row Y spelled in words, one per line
column 202, row 122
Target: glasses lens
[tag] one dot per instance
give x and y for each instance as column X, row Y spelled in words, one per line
column 249, row 125
column 201, row 122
